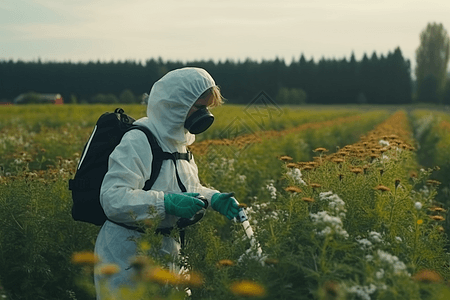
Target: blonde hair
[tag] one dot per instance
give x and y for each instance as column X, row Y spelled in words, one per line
column 215, row 97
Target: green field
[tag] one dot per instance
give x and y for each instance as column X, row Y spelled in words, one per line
column 363, row 218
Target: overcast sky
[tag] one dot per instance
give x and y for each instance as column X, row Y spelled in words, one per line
column 186, row 30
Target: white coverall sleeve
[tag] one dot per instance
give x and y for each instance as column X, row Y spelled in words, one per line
column 122, row 196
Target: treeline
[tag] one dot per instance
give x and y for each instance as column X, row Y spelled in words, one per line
column 375, row 79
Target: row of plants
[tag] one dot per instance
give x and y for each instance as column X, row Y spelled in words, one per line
column 432, row 130
column 36, row 135
column 361, row 223
column 38, row 235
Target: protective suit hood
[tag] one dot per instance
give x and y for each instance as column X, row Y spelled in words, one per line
column 169, row 102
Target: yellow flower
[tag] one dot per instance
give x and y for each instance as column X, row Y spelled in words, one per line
column 144, row 246
column 162, row 276
column 419, row 222
column 291, row 165
column 109, row 269
column 247, row 288
column 85, row 258
column 314, row 185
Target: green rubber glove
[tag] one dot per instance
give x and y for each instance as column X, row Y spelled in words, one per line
column 225, row 204
column 183, row 205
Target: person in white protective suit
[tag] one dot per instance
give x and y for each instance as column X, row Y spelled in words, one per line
column 177, row 110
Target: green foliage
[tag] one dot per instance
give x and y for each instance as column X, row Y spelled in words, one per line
column 38, row 237
column 432, row 58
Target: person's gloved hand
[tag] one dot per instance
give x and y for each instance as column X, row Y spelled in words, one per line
column 183, row 205
column 225, row 204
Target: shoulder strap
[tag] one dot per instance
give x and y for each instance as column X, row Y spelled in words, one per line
column 159, row 156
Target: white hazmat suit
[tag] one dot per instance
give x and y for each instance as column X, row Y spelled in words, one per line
column 122, row 195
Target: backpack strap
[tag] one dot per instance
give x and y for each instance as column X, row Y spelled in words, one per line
column 159, row 156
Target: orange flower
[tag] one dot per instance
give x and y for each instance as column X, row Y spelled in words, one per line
column 357, row 170
column 320, row 149
column 285, row 158
column 271, row 261
column 439, row 209
column 314, row 185
column 382, row 188
column 247, row 288
column 225, row 263
column 293, row 189
column 427, row 276
column 193, row 280
column 291, row 165
column 437, row 218
column 308, row 199
column 433, row 182
column 85, row 258
column 337, row 160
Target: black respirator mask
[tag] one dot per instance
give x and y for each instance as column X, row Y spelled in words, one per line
column 199, row 121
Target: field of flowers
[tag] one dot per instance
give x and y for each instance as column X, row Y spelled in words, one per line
column 344, row 204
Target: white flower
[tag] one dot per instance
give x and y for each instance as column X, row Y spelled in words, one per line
column 375, row 236
column 272, row 190
column 383, row 143
column 418, row 205
column 398, row 239
column 379, row 274
column 296, row 174
column 365, row 244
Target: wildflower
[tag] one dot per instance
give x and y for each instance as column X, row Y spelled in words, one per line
column 144, row 246
column 162, row 276
column 382, row 188
column 314, row 185
column 308, row 199
column 321, row 150
column 337, row 160
column 418, row 205
column 272, row 190
column 109, row 269
column 441, row 229
column 293, row 189
column 307, row 168
column 225, row 263
column 285, row 158
column 437, row 218
column 433, row 182
column 85, row 258
column 247, row 288
column 413, row 174
column 427, row 276
column 438, row 209
column 357, row 170
column 419, row 222
column 242, row 205
column 291, row 165
column 331, row 289
column 140, row 262
column 296, row 174
column 271, row 261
